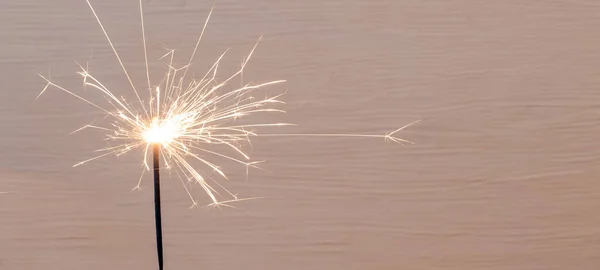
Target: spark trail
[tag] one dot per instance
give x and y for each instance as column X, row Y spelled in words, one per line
column 189, row 119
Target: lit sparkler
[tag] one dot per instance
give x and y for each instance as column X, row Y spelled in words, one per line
column 184, row 119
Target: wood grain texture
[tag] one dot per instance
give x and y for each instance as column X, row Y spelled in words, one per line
column 503, row 174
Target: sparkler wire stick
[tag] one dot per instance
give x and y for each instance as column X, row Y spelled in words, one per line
column 157, row 212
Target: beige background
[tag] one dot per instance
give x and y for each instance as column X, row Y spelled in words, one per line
column 503, row 175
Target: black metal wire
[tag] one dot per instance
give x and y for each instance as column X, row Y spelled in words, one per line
column 157, row 212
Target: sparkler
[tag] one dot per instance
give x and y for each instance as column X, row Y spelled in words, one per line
column 184, row 118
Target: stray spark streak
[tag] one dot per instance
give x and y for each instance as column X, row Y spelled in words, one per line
column 186, row 117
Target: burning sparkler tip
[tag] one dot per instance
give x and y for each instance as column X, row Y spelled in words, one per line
column 183, row 115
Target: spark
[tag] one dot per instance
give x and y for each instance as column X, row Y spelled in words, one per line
column 191, row 119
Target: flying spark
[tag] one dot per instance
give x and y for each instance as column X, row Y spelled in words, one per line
column 187, row 117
